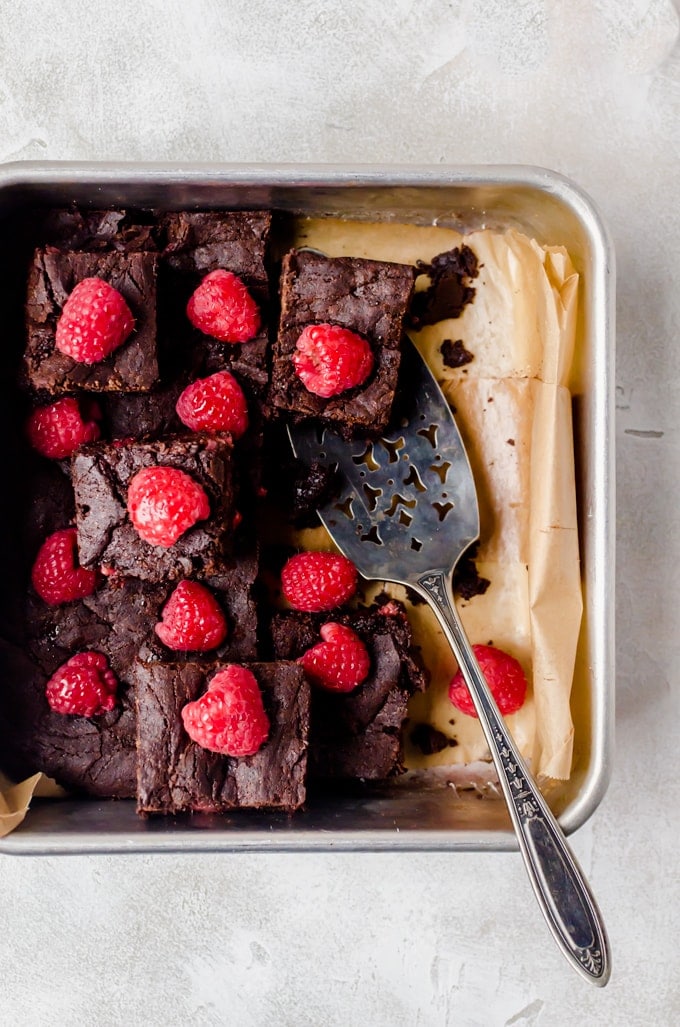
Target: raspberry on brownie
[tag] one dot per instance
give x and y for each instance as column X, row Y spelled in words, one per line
column 198, row 243
column 370, row 299
column 176, row 774
column 357, row 735
column 132, row 366
column 103, row 475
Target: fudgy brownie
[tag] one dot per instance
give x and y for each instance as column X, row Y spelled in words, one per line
column 369, row 297
column 358, row 735
column 175, row 774
column 101, row 473
column 133, row 367
column 98, row 755
column 98, row 230
column 236, row 241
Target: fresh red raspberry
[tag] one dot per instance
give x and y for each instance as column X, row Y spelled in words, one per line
column 229, row 718
column 163, row 503
column 57, row 430
column 318, row 581
column 215, row 403
column 56, row 576
column 504, row 676
column 192, row 619
column 340, row 663
column 222, row 307
column 84, row 686
column 330, row 359
column 94, row 322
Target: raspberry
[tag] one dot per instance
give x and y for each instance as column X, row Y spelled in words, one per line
column 94, row 322
column 318, row 581
column 84, row 686
column 56, row 576
column 229, row 718
column 340, row 662
column 192, row 619
column 215, row 403
column 330, row 359
column 57, row 430
column 504, row 676
column 222, row 307
column 163, row 503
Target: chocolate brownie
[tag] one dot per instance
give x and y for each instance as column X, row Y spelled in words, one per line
column 101, row 473
column 358, row 735
column 98, row 755
column 175, row 774
column 200, row 242
column 133, row 367
column 369, row 297
column 99, row 230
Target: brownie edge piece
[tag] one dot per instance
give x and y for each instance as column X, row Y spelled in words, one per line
column 106, row 536
column 175, row 775
column 369, row 297
column 358, row 735
column 133, row 367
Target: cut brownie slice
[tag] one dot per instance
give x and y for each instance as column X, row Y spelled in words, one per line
column 97, row 230
column 368, row 297
column 133, row 367
column 358, row 735
column 236, row 241
column 175, row 774
column 101, row 473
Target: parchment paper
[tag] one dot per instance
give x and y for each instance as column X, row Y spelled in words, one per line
column 513, row 409
column 514, row 412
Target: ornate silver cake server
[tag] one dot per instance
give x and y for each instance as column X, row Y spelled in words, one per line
column 406, row 512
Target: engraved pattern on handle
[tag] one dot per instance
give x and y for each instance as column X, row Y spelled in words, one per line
column 562, row 892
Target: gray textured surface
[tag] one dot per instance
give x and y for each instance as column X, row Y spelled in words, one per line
column 592, row 90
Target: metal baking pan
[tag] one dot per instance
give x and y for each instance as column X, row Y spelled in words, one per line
column 536, row 201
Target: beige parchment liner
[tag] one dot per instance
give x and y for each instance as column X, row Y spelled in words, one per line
column 514, row 412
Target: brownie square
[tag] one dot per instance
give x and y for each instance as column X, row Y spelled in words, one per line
column 101, row 473
column 200, row 242
column 369, row 297
column 176, row 775
column 98, row 230
column 133, row 367
column 357, row 735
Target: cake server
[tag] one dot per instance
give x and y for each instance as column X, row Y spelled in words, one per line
column 406, row 512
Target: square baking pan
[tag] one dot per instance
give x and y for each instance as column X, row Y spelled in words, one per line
column 538, row 202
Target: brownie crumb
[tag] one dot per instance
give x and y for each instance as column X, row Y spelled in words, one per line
column 454, row 354
column 510, row 442
column 449, row 291
column 429, row 740
column 467, row 581
column 414, row 598
column 313, row 488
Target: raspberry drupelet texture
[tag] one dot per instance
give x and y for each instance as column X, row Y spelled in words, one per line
column 330, row 359
column 316, row 582
column 340, row 662
column 94, row 322
column 192, row 619
column 215, row 403
column 229, row 718
column 223, row 307
column 84, row 686
column 163, row 503
column 56, row 576
column 504, row 676
column 58, row 429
